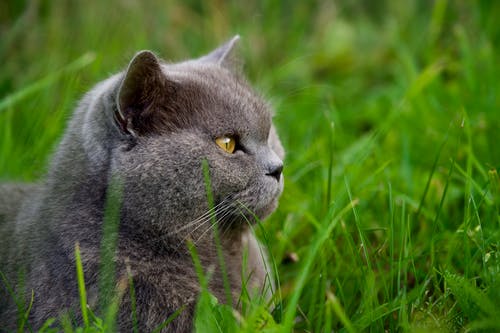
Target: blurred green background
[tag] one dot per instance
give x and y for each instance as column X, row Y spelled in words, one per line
column 389, row 107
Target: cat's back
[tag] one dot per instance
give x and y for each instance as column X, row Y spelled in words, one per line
column 12, row 196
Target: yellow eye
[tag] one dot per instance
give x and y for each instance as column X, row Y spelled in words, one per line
column 227, row 143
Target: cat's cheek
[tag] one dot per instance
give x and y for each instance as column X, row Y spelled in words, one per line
column 231, row 175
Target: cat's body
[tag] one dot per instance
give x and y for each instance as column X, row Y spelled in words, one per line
column 150, row 128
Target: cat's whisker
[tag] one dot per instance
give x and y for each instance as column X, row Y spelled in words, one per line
column 209, row 212
column 228, row 211
column 200, row 220
column 223, row 210
column 225, row 229
column 203, row 234
column 207, row 219
column 243, row 210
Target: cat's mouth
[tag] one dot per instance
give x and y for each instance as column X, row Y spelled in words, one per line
column 271, row 203
column 249, row 206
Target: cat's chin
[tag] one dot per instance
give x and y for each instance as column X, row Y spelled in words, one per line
column 268, row 208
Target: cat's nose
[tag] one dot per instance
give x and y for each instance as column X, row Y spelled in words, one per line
column 275, row 171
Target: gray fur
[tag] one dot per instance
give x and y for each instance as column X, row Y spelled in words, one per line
column 152, row 126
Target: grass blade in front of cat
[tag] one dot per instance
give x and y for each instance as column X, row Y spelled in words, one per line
column 109, row 291
column 24, row 318
column 210, row 316
column 133, row 305
column 168, row 320
column 81, row 286
column 22, row 312
column 215, row 231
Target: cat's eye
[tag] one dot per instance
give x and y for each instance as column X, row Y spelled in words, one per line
column 227, row 143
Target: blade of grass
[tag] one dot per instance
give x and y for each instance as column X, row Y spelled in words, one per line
column 320, row 238
column 133, row 305
column 26, row 314
column 109, row 242
column 12, row 294
column 113, row 306
column 205, row 316
column 215, row 231
column 362, row 238
column 333, row 301
column 10, row 100
column 169, row 320
column 81, row 286
column 433, row 170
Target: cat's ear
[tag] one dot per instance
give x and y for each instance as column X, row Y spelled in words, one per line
column 224, row 55
column 142, row 90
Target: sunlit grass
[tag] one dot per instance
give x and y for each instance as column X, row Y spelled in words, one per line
column 389, row 115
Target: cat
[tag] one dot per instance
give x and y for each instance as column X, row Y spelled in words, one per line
column 150, row 128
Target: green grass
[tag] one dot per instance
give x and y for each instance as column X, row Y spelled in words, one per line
column 389, row 112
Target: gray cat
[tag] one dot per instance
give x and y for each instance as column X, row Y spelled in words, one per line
column 150, row 127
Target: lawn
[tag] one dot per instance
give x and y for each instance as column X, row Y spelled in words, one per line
column 389, row 112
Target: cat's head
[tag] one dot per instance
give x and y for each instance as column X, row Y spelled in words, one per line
column 171, row 118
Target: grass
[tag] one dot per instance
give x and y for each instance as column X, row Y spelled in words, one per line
column 390, row 217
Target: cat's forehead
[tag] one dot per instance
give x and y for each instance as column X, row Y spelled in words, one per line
column 218, row 99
